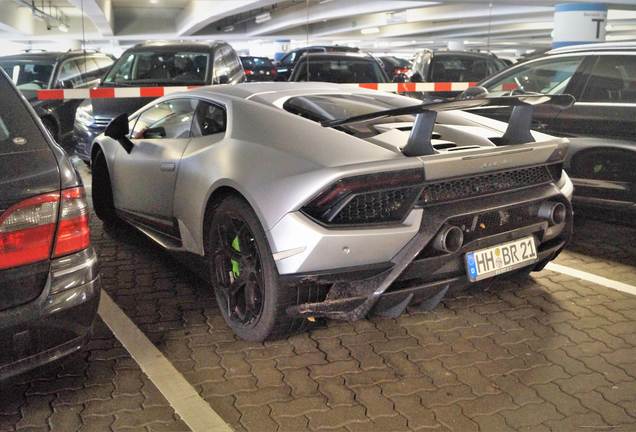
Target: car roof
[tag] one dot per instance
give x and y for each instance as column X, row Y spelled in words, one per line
column 171, row 45
column 275, row 88
column 336, row 54
column 462, row 53
column 52, row 56
column 604, row 46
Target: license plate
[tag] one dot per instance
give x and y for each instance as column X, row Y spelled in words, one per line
column 492, row 261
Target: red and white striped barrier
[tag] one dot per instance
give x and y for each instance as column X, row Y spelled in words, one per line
column 156, row 92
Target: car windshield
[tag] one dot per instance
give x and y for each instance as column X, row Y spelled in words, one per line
column 339, row 70
column 451, row 68
column 28, row 75
column 18, row 131
column 255, row 62
column 144, row 67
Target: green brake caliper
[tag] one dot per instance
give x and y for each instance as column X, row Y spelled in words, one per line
column 236, row 270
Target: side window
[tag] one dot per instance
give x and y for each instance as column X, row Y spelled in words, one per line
column 209, row 119
column 166, row 120
column 69, row 75
column 549, row 76
column 613, row 79
column 88, row 69
column 233, row 62
column 288, row 59
column 219, row 68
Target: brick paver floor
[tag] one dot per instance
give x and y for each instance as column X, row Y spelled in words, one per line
column 547, row 353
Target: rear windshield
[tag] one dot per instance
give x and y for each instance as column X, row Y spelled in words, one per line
column 146, row 67
column 448, row 68
column 255, row 62
column 28, row 74
column 339, row 70
column 18, row 131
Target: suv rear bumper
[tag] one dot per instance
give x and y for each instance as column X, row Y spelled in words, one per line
column 52, row 326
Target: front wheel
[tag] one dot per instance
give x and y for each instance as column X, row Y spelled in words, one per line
column 102, row 191
column 244, row 275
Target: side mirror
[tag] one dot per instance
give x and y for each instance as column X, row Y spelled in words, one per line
column 155, row 133
column 399, row 78
column 118, row 130
column 473, row 93
column 224, row 79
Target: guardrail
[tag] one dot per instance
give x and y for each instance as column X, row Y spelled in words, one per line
column 156, row 92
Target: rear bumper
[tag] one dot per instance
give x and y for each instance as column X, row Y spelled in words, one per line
column 50, row 327
column 415, row 274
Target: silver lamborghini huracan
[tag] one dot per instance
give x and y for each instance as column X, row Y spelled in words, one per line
column 313, row 200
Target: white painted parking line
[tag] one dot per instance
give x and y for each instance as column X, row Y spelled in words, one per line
column 590, row 277
column 186, row 402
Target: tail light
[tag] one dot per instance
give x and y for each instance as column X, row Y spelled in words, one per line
column 367, row 199
column 401, row 71
column 249, row 72
column 73, row 232
column 28, row 229
column 274, row 72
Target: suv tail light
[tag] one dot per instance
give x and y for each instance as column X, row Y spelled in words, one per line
column 367, row 199
column 73, row 232
column 28, row 228
column 248, row 72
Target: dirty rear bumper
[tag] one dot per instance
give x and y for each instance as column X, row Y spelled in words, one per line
column 415, row 276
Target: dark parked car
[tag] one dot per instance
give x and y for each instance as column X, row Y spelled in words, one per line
column 339, row 68
column 452, row 66
column 154, row 64
column 258, row 68
column 49, row 287
column 395, row 66
column 55, row 70
column 286, row 65
column 601, row 124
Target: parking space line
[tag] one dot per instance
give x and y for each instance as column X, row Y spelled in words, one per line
column 184, row 399
column 590, row 277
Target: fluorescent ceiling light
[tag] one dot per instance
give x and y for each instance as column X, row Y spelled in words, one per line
column 263, row 17
column 228, row 28
column 63, row 28
column 154, row 1
column 370, row 30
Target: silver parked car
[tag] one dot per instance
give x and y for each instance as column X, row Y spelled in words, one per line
column 316, row 200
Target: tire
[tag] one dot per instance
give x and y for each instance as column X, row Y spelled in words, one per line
column 234, row 234
column 102, row 191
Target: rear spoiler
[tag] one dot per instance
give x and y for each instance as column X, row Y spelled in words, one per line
column 419, row 143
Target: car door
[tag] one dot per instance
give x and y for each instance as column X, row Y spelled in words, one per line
column 606, row 106
column 144, row 180
column 551, row 75
column 69, row 77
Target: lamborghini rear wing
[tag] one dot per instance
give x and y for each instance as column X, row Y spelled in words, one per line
column 419, row 142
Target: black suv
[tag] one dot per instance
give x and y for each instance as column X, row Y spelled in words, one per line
column 286, row 65
column 55, row 70
column 154, row 64
column 452, row 66
column 49, row 287
column 601, row 124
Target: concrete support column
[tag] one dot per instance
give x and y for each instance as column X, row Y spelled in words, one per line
column 579, row 23
column 456, row 45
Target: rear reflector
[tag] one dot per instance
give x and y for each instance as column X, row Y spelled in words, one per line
column 28, row 229
column 73, row 233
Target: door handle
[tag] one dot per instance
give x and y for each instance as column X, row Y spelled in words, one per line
column 168, row 166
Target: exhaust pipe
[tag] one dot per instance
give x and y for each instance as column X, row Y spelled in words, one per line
column 450, row 239
column 554, row 212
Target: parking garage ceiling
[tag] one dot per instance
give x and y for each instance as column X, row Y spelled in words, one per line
column 375, row 25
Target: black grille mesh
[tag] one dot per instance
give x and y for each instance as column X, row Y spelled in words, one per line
column 484, row 184
column 377, row 207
